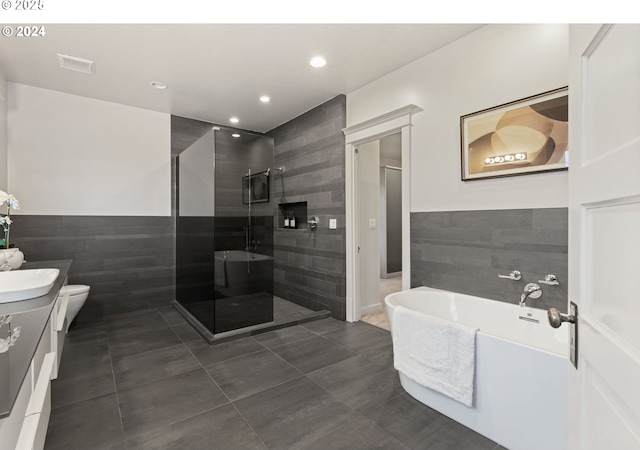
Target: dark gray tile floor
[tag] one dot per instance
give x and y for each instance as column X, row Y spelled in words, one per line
column 143, row 380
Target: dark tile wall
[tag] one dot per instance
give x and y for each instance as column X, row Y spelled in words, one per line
column 195, row 244
column 230, row 234
column 310, row 265
column 127, row 261
column 234, row 158
column 465, row 251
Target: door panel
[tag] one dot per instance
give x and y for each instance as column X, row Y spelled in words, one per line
column 608, row 286
column 612, row 123
column 612, row 425
column 604, row 235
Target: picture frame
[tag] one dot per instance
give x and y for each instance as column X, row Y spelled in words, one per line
column 255, row 188
column 525, row 136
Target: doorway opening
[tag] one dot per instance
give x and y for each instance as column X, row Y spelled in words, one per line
column 397, row 121
column 359, row 136
column 379, row 173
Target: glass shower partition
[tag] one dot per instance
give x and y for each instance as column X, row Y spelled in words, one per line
column 195, row 179
column 243, row 230
column 224, row 245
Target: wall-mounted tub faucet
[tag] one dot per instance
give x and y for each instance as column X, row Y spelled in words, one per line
column 531, row 290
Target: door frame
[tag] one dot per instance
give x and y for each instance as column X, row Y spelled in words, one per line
column 396, row 121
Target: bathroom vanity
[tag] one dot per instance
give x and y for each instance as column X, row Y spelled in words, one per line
column 35, row 327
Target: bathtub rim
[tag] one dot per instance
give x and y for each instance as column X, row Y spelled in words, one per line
column 563, row 346
column 240, row 256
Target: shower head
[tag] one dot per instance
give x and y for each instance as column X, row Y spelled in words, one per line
column 275, row 169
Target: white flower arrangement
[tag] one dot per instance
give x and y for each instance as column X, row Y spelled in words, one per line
column 5, row 221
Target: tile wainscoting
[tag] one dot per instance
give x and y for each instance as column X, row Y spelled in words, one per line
column 127, row 260
column 465, row 251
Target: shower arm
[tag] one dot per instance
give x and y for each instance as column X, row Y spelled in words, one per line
column 280, row 170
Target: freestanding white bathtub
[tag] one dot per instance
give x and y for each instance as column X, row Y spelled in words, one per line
column 240, row 273
column 520, row 392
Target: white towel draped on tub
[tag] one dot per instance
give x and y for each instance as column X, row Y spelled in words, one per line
column 435, row 353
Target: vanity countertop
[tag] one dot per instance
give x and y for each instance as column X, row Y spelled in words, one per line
column 31, row 316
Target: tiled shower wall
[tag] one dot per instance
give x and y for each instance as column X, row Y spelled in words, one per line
column 465, row 251
column 310, row 265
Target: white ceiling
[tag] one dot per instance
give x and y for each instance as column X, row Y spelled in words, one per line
column 218, row 71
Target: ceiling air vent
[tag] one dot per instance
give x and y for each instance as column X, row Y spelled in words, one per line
column 77, row 64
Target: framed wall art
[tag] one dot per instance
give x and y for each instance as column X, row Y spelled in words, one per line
column 521, row 137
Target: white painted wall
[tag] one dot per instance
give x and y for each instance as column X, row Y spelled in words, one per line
column 3, row 132
column 369, row 242
column 72, row 155
column 494, row 65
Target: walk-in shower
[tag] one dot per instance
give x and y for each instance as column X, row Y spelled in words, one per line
column 224, row 231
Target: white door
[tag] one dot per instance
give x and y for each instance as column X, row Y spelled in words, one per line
column 368, row 173
column 604, row 235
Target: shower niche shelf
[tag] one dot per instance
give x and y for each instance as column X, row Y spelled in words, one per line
column 297, row 210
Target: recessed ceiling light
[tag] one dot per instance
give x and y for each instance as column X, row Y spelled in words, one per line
column 265, row 99
column 318, row 61
column 234, row 120
column 235, row 135
column 158, row 85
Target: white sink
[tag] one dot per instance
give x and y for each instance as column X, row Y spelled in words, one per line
column 24, row 284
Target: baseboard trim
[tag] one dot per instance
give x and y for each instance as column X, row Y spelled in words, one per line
column 371, row 309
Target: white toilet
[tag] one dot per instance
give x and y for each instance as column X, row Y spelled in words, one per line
column 78, row 294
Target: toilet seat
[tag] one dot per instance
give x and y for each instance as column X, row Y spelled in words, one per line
column 74, row 289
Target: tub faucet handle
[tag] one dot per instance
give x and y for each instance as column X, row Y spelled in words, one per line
column 550, row 279
column 514, row 275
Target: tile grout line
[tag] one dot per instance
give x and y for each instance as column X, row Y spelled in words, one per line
column 115, row 388
column 226, row 396
column 244, row 419
column 186, row 418
column 125, row 439
column 354, row 411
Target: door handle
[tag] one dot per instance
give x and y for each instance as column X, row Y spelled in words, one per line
column 556, row 318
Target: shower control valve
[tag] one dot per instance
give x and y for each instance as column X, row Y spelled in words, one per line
column 313, row 222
